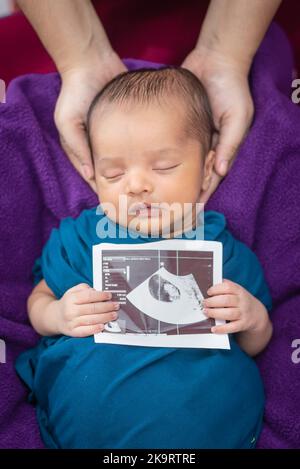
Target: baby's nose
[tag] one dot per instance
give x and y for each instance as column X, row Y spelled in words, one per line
column 138, row 183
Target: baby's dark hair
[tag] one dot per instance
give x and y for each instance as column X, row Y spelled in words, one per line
column 145, row 85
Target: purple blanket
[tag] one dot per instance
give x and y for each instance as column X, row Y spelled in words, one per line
column 260, row 198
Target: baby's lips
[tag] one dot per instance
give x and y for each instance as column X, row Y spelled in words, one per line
column 134, row 208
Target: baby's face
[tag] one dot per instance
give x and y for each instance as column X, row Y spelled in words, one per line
column 142, row 154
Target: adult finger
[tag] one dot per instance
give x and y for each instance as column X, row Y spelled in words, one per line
column 233, row 128
column 73, row 139
column 214, row 183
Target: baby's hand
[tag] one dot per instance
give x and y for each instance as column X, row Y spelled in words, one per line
column 231, row 302
column 83, row 311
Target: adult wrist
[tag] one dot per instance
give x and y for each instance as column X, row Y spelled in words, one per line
column 215, row 57
column 92, row 57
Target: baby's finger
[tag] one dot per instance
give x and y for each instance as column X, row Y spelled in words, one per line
column 227, row 286
column 85, row 331
column 79, row 287
column 90, row 320
column 97, row 308
column 221, row 301
column 230, row 328
column 90, row 295
column 228, row 314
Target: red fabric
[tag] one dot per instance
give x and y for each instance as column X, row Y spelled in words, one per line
column 151, row 30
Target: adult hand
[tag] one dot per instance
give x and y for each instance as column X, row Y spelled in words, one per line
column 226, row 84
column 79, row 86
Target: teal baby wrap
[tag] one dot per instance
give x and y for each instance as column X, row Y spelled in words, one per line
column 91, row 395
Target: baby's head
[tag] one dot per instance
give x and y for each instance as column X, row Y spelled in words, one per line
column 150, row 134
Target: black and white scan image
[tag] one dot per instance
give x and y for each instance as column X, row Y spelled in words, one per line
column 160, row 291
column 169, row 298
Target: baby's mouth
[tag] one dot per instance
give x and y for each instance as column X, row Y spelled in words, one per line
column 145, row 209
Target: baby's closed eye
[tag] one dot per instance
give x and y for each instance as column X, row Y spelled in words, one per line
column 166, row 167
column 113, row 173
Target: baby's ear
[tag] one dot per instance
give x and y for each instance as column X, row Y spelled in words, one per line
column 208, row 169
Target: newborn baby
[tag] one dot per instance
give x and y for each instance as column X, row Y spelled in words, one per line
column 153, row 145
column 150, row 134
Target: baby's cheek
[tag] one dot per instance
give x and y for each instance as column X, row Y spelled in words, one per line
column 189, row 183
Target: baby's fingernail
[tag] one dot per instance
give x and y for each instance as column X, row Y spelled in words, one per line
column 213, row 329
column 116, row 306
column 108, row 295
